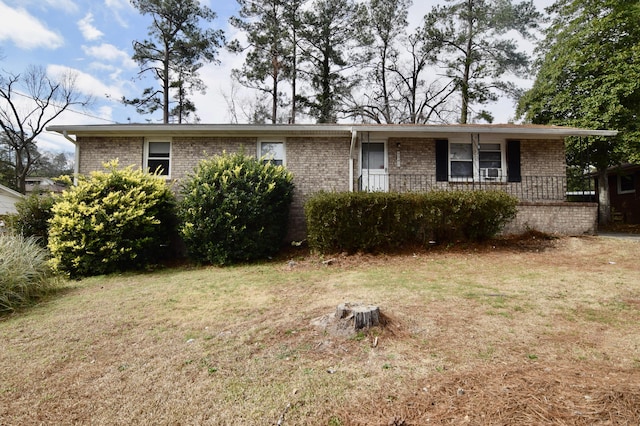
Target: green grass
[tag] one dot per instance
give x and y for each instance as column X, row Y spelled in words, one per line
column 235, row 345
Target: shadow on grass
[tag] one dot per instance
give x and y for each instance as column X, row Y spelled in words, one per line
column 51, row 294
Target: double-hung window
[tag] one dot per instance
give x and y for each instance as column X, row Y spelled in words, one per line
column 158, row 157
column 476, row 161
column 461, row 164
column 490, row 161
column 272, row 151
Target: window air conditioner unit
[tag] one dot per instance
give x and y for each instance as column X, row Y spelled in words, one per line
column 490, row 174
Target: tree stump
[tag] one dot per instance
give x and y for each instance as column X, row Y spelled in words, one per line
column 363, row 316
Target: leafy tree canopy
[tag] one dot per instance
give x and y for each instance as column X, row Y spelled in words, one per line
column 589, row 76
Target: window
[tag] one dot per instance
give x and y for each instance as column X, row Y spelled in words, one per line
column 373, row 156
column 158, row 155
column 626, row 184
column 272, row 152
column 461, row 156
column 473, row 161
column 490, row 161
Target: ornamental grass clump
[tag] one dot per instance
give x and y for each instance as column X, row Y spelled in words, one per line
column 111, row 221
column 25, row 274
column 235, row 208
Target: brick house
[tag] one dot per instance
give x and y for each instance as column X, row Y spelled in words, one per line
column 526, row 161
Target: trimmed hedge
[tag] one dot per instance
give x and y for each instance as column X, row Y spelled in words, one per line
column 377, row 221
column 235, row 208
column 112, row 221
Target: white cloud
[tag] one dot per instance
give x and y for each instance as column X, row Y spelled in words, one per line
column 25, row 31
column 116, row 7
column 109, row 53
column 89, row 32
column 212, row 107
column 66, row 5
column 86, row 83
column 105, row 112
column 116, row 4
column 54, row 142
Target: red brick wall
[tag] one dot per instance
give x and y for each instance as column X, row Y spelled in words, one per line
column 555, row 218
column 317, row 163
column 94, row 151
column 542, row 158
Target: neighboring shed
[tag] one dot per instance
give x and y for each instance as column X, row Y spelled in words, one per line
column 624, row 192
column 42, row 184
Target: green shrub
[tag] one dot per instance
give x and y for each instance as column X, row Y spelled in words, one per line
column 25, row 275
column 32, row 218
column 112, row 221
column 358, row 221
column 379, row 221
column 235, row 208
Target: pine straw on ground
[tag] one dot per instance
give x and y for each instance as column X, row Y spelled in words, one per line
column 511, row 395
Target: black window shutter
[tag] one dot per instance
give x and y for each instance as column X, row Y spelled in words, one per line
column 513, row 161
column 442, row 154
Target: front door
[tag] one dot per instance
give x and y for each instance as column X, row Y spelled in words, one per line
column 374, row 167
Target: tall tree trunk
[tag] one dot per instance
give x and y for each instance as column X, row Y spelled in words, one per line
column 165, row 86
column 274, row 99
column 19, row 172
column 385, row 91
column 326, row 101
column 294, row 77
column 464, row 112
column 604, row 203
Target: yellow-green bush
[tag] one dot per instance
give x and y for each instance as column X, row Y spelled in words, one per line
column 115, row 220
column 379, row 221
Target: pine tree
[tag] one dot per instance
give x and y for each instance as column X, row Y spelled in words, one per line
column 174, row 51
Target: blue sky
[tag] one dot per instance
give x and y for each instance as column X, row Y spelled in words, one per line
column 93, row 39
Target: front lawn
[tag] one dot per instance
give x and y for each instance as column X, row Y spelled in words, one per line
column 528, row 332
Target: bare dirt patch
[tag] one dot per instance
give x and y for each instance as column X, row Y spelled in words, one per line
column 530, row 331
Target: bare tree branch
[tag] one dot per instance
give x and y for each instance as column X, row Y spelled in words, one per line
column 41, row 100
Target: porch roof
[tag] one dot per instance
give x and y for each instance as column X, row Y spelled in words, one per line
column 336, row 130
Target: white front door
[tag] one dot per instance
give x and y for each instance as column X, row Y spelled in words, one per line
column 374, row 167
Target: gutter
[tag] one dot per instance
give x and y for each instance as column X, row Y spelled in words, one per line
column 429, row 130
column 76, row 156
column 354, row 137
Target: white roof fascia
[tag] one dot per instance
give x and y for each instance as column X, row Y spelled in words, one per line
column 341, row 130
column 514, row 130
column 205, row 129
column 11, row 192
